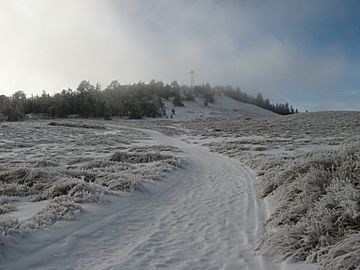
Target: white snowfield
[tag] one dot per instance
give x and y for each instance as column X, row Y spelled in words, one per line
column 203, row 217
column 223, row 107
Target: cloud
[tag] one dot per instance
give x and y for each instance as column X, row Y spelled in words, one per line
column 54, row 44
column 257, row 45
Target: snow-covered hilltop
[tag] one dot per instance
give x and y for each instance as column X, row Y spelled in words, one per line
column 223, row 107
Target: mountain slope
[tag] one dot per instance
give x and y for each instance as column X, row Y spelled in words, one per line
column 223, row 107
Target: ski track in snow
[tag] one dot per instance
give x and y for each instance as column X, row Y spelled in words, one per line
column 203, row 217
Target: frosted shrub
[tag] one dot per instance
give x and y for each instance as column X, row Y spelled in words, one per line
column 7, row 226
column 344, row 255
column 298, row 196
column 320, row 164
column 59, row 188
column 157, row 148
column 173, row 162
column 24, row 182
column 6, row 205
column 87, row 192
column 122, row 182
column 81, row 174
column 101, row 163
column 138, row 158
column 14, row 190
column 317, row 214
column 78, row 190
column 14, row 176
column 58, row 209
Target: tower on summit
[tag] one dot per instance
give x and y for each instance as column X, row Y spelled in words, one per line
column 192, row 79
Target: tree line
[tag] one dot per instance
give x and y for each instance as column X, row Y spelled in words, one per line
column 132, row 100
column 237, row 94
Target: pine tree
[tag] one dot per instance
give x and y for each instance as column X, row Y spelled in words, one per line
column 178, row 101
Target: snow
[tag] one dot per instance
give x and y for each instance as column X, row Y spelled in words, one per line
column 222, row 107
column 48, row 171
column 204, row 213
column 25, row 210
column 307, row 172
column 205, row 216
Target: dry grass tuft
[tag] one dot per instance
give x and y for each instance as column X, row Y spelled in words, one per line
column 138, row 158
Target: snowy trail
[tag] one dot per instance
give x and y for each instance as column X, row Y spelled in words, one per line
column 203, row 217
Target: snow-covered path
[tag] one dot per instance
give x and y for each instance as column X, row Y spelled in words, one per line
column 203, row 217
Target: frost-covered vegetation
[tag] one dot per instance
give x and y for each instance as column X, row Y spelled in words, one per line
column 59, row 165
column 308, row 168
column 317, row 206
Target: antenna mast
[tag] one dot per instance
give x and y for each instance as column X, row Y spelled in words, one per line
column 192, row 81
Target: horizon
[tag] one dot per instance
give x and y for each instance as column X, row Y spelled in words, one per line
column 103, row 87
column 303, row 53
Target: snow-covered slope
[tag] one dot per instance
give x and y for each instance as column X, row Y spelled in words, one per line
column 223, row 107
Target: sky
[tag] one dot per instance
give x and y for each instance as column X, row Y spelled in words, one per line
column 300, row 51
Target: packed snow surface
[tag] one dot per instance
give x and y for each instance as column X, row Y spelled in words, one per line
column 203, row 217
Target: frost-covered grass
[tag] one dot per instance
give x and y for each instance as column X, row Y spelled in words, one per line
column 6, row 205
column 66, row 164
column 317, row 203
column 300, row 128
column 308, row 168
